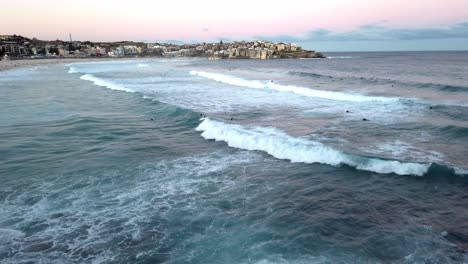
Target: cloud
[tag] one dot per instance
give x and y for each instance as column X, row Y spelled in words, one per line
column 377, row 31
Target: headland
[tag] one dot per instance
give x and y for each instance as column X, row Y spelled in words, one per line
column 16, row 47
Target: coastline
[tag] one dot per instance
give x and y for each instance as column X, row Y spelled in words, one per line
column 12, row 64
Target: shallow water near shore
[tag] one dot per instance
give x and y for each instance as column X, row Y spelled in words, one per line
column 236, row 161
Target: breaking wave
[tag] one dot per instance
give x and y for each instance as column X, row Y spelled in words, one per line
column 332, row 95
column 283, row 146
column 101, row 82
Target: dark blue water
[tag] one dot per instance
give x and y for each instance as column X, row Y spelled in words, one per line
column 236, row 161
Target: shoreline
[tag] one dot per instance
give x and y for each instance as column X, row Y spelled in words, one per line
column 13, row 64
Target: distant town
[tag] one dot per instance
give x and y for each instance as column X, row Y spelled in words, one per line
column 18, row 47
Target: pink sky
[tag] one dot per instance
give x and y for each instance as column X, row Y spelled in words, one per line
column 206, row 19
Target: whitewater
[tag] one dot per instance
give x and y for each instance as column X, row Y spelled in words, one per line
column 236, row 81
column 282, row 146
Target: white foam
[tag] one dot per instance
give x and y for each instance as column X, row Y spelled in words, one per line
column 142, row 65
column 232, row 80
column 282, row 146
column 398, row 148
column 73, row 70
column 332, row 95
column 339, row 96
column 460, row 171
column 104, row 83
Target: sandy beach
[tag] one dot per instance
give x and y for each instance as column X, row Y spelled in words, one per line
column 10, row 64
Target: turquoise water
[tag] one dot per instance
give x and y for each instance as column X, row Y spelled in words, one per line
column 195, row 161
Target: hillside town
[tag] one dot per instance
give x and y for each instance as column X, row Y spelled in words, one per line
column 18, row 47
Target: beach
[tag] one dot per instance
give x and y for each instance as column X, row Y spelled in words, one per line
column 11, row 64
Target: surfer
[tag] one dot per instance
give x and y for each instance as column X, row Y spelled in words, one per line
column 365, row 119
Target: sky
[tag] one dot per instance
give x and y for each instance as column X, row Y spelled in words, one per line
column 325, row 25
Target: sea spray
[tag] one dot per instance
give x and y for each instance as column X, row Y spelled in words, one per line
column 282, row 146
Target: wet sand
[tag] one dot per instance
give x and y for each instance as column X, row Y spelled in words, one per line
column 7, row 65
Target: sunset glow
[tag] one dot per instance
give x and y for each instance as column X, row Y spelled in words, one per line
column 208, row 20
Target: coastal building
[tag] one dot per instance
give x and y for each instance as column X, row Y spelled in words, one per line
column 101, row 51
column 14, row 50
column 295, row 47
column 130, row 50
column 280, row 47
column 119, row 51
column 91, row 51
column 62, row 52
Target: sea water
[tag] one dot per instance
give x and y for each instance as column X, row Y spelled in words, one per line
column 357, row 158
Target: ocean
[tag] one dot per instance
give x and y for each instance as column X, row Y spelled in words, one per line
column 357, row 158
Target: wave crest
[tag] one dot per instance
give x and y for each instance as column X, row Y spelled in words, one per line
column 101, row 82
column 282, row 146
column 331, row 95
